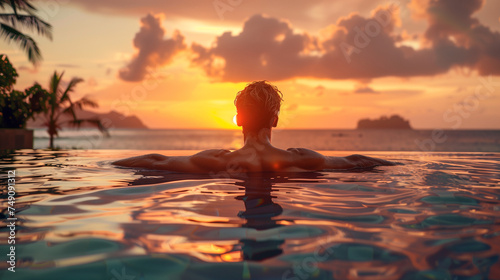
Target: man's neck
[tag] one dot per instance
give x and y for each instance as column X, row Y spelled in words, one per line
column 262, row 137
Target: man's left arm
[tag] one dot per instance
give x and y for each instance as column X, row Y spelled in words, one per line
column 202, row 162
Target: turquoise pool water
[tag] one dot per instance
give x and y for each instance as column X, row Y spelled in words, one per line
column 79, row 217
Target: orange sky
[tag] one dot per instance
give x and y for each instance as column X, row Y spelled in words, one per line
column 179, row 64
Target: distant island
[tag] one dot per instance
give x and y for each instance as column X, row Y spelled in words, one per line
column 392, row 122
column 112, row 119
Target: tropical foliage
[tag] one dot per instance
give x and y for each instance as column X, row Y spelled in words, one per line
column 59, row 104
column 16, row 107
column 18, row 15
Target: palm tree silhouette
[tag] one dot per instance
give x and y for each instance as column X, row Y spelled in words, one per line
column 60, row 103
column 23, row 16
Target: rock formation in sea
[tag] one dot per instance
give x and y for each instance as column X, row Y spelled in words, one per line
column 384, row 122
column 111, row 119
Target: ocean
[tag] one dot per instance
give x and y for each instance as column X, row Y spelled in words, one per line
column 325, row 140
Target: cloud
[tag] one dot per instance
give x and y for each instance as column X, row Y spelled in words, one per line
column 32, row 70
column 356, row 47
column 266, row 48
column 454, row 32
column 152, row 49
column 365, row 89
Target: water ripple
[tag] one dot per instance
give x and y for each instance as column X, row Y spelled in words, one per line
column 436, row 217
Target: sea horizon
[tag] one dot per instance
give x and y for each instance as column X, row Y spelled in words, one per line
column 423, row 140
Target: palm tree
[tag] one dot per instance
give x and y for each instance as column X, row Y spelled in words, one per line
column 59, row 103
column 23, row 15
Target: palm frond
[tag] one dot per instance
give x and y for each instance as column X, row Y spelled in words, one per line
column 30, row 22
column 85, row 102
column 70, row 88
column 61, row 104
column 54, row 82
column 21, row 5
column 95, row 122
column 70, row 110
column 13, row 5
column 26, row 42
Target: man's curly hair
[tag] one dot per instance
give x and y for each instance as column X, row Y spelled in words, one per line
column 257, row 104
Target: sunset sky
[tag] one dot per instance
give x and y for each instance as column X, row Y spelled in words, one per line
column 179, row 64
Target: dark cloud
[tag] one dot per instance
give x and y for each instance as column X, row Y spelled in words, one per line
column 152, row 49
column 365, row 48
column 456, row 33
column 267, row 48
column 365, row 89
column 447, row 17
column 356, row 47
column 32, row 70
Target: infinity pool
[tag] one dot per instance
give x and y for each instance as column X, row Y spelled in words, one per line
column 79, row 217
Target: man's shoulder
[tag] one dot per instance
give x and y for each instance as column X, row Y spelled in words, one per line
column 303, row 152
column 306, row 158
column 213, row 159
column 212, row 153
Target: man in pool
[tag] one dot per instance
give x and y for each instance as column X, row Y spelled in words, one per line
column 258, row 106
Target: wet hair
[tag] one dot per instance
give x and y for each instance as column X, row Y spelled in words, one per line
column 257, row 104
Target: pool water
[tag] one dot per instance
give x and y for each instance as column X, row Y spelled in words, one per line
column 79, row 217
